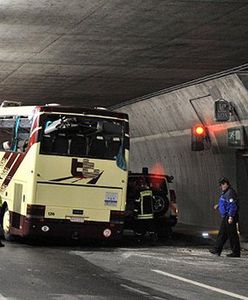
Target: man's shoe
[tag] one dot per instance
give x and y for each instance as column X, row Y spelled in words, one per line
column 214, row 251
column 2, row 245
column 233, row 255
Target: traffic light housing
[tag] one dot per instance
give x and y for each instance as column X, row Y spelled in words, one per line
column 198, row 136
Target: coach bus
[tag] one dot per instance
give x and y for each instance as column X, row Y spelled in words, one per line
column 63, row 171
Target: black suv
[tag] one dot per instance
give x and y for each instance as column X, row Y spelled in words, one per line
column 150, row 205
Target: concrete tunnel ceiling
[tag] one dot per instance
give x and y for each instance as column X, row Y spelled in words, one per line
column 92, row 52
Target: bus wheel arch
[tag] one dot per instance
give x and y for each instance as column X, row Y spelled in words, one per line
column 2, row 209
column 6, row 224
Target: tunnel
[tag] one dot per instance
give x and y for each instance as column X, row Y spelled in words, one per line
column 161, row 135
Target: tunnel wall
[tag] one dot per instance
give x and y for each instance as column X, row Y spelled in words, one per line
column 160, row 131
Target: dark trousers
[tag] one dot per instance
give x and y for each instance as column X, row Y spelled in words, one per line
column 228, row 231
column 1, row 233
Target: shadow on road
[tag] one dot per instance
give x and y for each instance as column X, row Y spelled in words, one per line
column 129, row 240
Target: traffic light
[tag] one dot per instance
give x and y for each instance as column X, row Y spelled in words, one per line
column 198, row 135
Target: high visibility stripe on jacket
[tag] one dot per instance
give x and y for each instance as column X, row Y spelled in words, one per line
column 146, row 209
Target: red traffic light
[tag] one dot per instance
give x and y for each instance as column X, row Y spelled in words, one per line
column 198, row 137
column 199, row 130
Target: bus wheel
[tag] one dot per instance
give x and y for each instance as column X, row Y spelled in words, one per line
column 6, row 225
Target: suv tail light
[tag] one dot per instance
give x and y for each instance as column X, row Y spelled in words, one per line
column 173, row 203
column 173, row 209
column 173, row 197
column 35, row 211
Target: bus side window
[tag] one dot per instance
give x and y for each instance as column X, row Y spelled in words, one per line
column 23, row 133
column 22, row 141
column 6, row 133
column 22, row 145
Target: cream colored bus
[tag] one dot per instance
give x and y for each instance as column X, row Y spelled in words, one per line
column 63, row 171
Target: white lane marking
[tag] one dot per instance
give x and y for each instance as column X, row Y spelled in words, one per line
column 134, row 290
column 134, row 249
column 206, row 286
column 2, row 297
column 130, row 254
column 141, row 254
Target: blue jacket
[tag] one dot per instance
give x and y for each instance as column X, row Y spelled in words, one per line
column 228, row 203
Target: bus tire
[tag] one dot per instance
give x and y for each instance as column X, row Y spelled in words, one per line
column 7, row 225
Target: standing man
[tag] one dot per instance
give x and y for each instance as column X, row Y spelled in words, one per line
column 1, row 244
column 228, row 208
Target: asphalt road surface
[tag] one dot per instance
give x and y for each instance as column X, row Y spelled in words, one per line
column 180, row 268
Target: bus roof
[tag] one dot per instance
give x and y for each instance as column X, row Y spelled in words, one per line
column 17, row 111
column 84, row 111
column 30, row 110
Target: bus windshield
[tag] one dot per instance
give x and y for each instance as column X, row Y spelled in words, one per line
column 81, row 136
